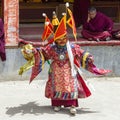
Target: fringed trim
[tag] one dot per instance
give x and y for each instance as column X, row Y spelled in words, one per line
column 65, row 96
column 84, row 61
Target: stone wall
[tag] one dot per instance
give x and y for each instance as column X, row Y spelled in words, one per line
column 104, row 57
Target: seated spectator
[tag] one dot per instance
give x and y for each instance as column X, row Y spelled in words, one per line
column 98, row 26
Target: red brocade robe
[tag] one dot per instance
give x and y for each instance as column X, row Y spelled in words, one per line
column 61, row 84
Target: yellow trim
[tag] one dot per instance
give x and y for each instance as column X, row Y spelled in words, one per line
column 84, row 59
column 43, row 60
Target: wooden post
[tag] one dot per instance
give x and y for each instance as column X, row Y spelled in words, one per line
column 11, row 22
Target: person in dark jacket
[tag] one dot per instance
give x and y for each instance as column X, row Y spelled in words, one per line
column 2, row 41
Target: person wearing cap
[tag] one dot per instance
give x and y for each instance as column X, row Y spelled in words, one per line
column 65, row 83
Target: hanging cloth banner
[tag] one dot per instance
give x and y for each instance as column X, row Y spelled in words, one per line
column 11, row 21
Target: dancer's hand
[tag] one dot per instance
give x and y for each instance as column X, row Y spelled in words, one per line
column 90, row 60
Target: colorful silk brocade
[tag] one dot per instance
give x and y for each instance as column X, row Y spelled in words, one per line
column 35, row 60
column 90, row 66
column 61, row 85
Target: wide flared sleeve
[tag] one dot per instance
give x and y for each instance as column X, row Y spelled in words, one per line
column 85, row 60
column 35, row 61
column 88, row 64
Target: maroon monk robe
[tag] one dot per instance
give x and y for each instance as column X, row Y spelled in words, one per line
column 80, row 11
column 99, row 27
column 2, row 42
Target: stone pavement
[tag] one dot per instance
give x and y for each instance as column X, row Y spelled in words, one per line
column 21, row 101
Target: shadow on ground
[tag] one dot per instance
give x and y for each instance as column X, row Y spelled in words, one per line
column 36, row 109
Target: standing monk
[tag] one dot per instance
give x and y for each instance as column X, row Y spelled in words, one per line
column 98, row 26
column 80, row 11
column 2, row 41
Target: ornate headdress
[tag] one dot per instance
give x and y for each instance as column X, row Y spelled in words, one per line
column 56, row 28
column 60, row 30
column 48, row 28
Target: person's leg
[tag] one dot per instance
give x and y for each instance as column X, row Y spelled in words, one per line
column 103, row 36
column 66, row 103
column 87, row 34
column 96, row 36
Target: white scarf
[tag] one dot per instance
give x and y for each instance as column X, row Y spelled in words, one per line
column 74, row 68
column 71, row 58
